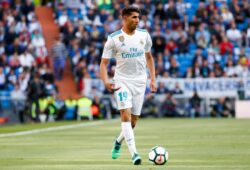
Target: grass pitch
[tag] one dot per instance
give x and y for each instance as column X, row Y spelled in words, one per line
column 196, row 144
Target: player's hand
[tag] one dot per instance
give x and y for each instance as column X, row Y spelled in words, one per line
column 111, row 87
column 153, row 86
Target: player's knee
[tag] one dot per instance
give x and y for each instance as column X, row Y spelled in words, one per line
column 125, row 116
column 133, row 124
column 134, row 121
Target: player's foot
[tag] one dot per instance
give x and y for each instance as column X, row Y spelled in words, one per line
column 136, row 159
column 116, row 150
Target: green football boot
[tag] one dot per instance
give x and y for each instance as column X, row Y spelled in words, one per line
column 136, row 159
column 116, row 150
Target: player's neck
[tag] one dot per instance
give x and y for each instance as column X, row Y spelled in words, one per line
column 127, row 30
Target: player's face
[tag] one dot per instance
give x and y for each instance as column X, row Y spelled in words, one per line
column 132, row 20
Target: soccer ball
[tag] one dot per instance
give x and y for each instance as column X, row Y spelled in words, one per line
column 158, row 155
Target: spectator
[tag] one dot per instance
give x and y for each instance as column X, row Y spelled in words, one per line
column 218, row 70
column 182, row 7
column 159, row 64
column 189, row 73
column 201, row 11
column 159, row 42
column 159, row 11
column 171, row 30
column 168, row 107
column 230, row 69
column 241, row 91
column 226, row 47
column 27, row 7
column 245, row 8
column 238, row 14
column 94, row 93
column 14, row 61
column 34, row 90
column 182, row 44
column 204, row 69
column 221, row 108
column 150, row 107
column 26, row 59
column 84, row 108
column 48, row 75
column 171, row 11
column 62, row 19
column 11, row 79
column 191, row 34
column 202, row 36
column 241, row 69
column 59, row 55
column 2, row 79
column 195, row 105
column 70, row 109
column 248, row 35
column 162, row 89
column 214, row 46
column 227, row 16
column 171, row 46
column 234, row 35
column 174, row 69
column 177, row 89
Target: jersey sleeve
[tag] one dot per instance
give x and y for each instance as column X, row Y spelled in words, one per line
column 148, row 43
column 108, row 51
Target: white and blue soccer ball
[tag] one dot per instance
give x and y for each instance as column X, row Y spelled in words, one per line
column 158, row 155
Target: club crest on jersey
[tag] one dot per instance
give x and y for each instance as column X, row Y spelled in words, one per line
column 121, row 39
column 141, row 41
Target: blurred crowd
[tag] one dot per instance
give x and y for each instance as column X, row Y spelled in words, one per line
column 172, row 104
column 191, row 38
column 24, row 59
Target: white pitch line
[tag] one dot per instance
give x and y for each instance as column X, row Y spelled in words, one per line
column 50, row 129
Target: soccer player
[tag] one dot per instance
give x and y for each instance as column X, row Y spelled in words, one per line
column 131, row 48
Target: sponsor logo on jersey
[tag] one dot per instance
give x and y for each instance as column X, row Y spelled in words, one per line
column 134, row 52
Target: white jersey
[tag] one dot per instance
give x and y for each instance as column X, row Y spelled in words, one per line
column 129, row 52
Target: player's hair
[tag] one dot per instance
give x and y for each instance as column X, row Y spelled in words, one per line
column 128, row 10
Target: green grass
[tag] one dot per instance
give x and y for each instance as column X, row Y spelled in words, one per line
column 194, row 144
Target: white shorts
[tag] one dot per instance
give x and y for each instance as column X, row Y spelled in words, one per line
column 130, row 95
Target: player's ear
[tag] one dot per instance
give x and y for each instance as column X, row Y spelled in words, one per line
column 124, row 17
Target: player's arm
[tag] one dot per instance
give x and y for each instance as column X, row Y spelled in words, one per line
column 107, row 54
column 104, row 75
column 151, row 67
column 150, row 63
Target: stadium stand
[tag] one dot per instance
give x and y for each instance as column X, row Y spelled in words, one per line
column 191, row 39
column 200, row 36
column 24, row 65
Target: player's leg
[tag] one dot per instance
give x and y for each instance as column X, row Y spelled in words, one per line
column 129, row 135
column 123, row 99
column 127, row 120
column 117, row 144
column 136, row 157
column 137, row 102
column 134, row 119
